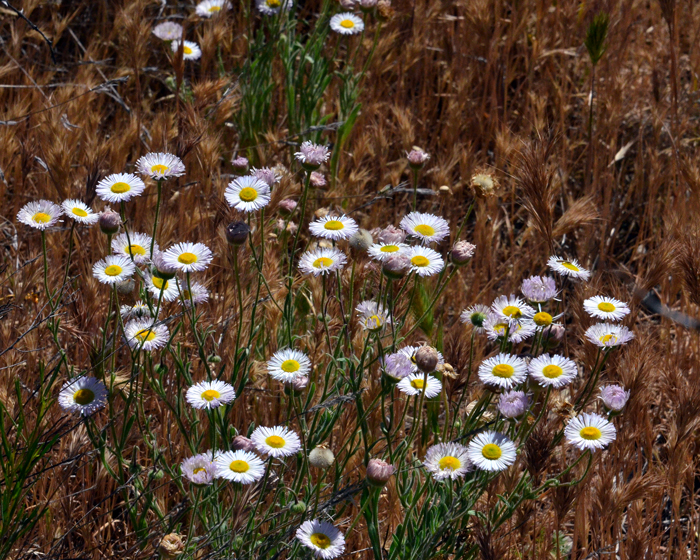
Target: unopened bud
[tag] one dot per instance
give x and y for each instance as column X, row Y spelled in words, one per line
column 299, row 507
column 379, row 472
column 367, row 5
column 396, row 266
column 426, row 359
column 109, row 221
column 317, row 180
column 287, row 206
column 161, row 268
column 297, row 385
column 391, row 235
column 321, row 457
column 126, row 286
column 462, row 252
column 242, row 443
column 361, row 240
column 417, row 158
column 237, row 233
column 240, row 165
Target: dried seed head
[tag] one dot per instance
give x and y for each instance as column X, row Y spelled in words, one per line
column 171, row 546
column 237, row 233
column 484, row 185
column 361, row 240
column 379, row 472
column 384, row 11
column 321, row 457
column 109, row 221
column 426, row 359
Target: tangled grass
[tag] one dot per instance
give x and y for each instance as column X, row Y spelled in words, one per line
column 565, row 129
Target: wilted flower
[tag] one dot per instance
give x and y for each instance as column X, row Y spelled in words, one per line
column 373, row 316
column 476, row 316
column 484, row 185
column 361, row 240
column 171, row 546
column 570, row 268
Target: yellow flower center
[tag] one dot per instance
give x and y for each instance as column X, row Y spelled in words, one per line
column 120, row 188
column 389, row 249
column 512, row 311
column 418, row 383
column 290, row 366
column 347, row 24
column 567, row 264
column 449, row 462
column 500, row 328
column 79, row 212
column 607, row 338
column 320, row 540
column 159, row 167
column 420, row 260
column 187, row 50
column 424, row 229
column 322, row 262
column 159, row 283
column 373, row 322
column 239, row 466
column 113, row 270
column 590, row 433
column 83, row 396
column 334, row 225
column 273, row 3
column 504, row 371
column 187, row 258
column 135, row 250
column 542, row 319
column 551, row 371
column 606, row 307
column 186, row 294
column 199, row 470
column 275, row 442
column 491, row 451
column 41, row 218
column 211, row 394
column 248, row 194
column 215, row 9
column 145, row 335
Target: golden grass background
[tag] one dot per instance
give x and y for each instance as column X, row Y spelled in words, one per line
column 481, row 85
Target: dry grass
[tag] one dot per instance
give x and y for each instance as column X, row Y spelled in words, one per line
column 480, row 85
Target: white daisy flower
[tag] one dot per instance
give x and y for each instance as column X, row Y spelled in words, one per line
column 426, row 227
column 200, row 469
column 606, row 308
column 373, row 316
column 475, row 316
column 197, row 293
column 190, row 49
column 241, row 466
column 272, row 7
column 80, row 212
column 247, row 194
column 382, row 251
column 188, row 257
column 568, row 268
column 497, row 327
column 83, row 395
column 334, row 227
column 135, row 245
column 447, row 460
column 143, row 334
column 424, row 261
column 113, row 269
column 491, row 451
column 347, row 24
column 160, row 165
column 322, row 261
column 41, row 214
column 323, row 539
column 288, row 364
column 209, row 8
column 168, row 31
column 415, row 383
column 119, row 187
column 137, row 311
column 210, row 394
column 512, row 308
column 607, row 335
column 276, row 442
column 410, row 353
column 555, row 371
column 590, row 431
column 155, row 285
column 503, row 370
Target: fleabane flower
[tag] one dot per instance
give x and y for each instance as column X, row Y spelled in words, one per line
column 247, row 193
column 512, row 307
column 606, row 308
column 410, row 353
column 589, row 431
column 189, row 257
column 322, row 261
column 539, row 289
column 311, row 155
column 288, row 364
column 168, row 31
column 144, row 334
column 80, row 212
column 498, row 327
column 209, row 8
column 570, row 268
column 119, row 187
column 210, row 394
column 160, row 165
column 197, row 293
column 190, row 49
column 373, row 316
column 135, row 245
column 512, row 404
column 382, row 251
column 552, row 371
column 606, row 335
column 614, row 397
column 276, row 442
column 347, row 23
column 428, row 228
column 241, row 466
column 83, row 395
column 424, row 261
column 475, row 316
column 416, row 383
column 322, row 538
column 447, row 460
column 200, row 469
column 272, row 7
column 40, row 215
column 334, row 227
column 398, row 365
column 113, row 269
column 503, row 370
column 155, row 285
column 491, row 451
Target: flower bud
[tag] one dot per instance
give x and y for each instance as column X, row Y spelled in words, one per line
column 361, row 240
column 296, row 386
column 267, row 175
column 287, row 206
column 556, row 332
column 299, row 507
column 242, row 443
column 614, row 397
column 426, row 359
column 109, row 221
column 126, row 286
column 379, row 472
column 240, row 165
column 171, row 546
column 367, row 5
column 462, row 252
column 417, row 158
column 321, row 457
column 237, row 233
column 392, row 235
column 161, row 268
column 348, row 5
column 317, row 180
column 396, row 266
